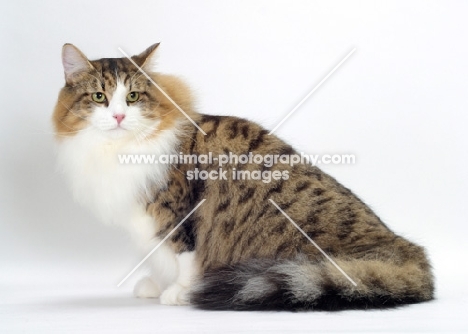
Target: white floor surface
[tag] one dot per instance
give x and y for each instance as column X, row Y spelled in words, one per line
column 66, row 299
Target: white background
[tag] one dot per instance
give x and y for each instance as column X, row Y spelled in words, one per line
column 399, row 103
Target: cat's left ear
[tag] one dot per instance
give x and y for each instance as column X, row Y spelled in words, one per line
column 147, row 58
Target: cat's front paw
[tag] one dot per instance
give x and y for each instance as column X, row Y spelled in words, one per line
column 175, row 294
column 146, row 288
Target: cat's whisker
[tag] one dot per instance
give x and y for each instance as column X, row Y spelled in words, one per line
column 135, row 135
column 169, row 112
column 62, row 134
column 140, row 130
column 144, row 137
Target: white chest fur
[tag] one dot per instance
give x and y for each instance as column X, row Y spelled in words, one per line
column 112, row 190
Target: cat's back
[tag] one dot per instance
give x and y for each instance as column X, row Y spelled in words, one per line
column 240, row 219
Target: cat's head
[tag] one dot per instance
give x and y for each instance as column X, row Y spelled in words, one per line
column 114, row 98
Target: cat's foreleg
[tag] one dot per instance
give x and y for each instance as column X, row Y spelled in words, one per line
column 162, row 263
column 178, row 292
column 164, row 271
column 147, row 287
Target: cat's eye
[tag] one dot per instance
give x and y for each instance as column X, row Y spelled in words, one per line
column 133, row 96
column 99, row 97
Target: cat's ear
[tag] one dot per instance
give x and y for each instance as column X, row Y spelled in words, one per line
column 147, row 59
column 74, row 61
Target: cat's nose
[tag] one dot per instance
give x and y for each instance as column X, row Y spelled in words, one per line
column 119, row 118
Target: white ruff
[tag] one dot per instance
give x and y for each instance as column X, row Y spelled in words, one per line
column 113, row 191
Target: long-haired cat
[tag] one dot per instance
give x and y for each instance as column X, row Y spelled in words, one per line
column 237, row 250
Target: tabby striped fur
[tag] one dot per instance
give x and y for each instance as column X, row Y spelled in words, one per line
column 247, row 254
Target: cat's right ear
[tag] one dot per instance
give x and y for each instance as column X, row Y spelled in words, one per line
column 74, row 61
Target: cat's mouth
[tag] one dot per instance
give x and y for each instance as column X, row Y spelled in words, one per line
column 118, row 127
column 116, row 132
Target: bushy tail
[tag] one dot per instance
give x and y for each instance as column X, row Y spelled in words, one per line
column 301, row 285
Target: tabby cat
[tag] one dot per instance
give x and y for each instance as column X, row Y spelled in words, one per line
column 237, row 250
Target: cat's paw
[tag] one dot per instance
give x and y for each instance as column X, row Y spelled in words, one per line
column 175, row 294
column 146, row 288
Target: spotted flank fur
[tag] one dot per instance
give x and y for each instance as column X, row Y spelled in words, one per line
column 237, row 251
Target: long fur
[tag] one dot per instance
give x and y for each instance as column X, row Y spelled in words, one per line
column 303, row 285
column 101, row 183
column 248, row 255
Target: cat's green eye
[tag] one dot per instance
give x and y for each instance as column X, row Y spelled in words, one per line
column 99, row 97
column 133, row 96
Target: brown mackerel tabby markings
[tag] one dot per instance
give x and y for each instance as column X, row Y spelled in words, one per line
column 245, row 131
column 247, row 195
column 255, row 143
column 346, row 229
column 223, row 188
column 282, row 249
column 285, row 206
column 236, row 234
column 276, row 188
column 318, row 191
column 313, row 171
column 246, row 217
column 302, row 185
column 233, row 129
column 263, row 212
column 229, row 226
column 284, row 149
column 212, row 132
column 323, row 201
column 281, row 227
column 223, row 206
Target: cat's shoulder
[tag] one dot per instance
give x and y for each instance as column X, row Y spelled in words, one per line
column 234, row 133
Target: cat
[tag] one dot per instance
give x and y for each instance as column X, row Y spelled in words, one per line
column 237, row 250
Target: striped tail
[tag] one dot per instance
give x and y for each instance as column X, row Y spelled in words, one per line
column 304, row 285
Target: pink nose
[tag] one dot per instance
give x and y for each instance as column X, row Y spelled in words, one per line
column 119, row 118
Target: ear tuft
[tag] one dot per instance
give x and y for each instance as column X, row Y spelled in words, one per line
column 74, row 61
column 147, row 58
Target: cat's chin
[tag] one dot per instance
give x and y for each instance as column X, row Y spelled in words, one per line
column 118, row 133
